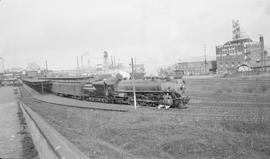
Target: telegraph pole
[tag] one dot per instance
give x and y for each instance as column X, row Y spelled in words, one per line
column 262, row 53
column 134, row 89
column 46, row 65
column 46, row 72
column 82, row 58
column 78, row 66
column 3, row 65
column 82, row 61
column 88, row 61
column 135, row 69
column 205, row 62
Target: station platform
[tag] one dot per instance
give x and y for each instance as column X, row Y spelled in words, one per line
column 10, row 139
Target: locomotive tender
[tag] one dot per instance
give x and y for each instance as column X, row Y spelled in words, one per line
column 148, row 92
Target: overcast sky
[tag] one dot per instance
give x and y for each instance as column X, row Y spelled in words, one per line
column 156, row 32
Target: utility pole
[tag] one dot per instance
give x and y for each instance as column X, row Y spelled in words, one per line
column 82, row 58
column 133, row 83
column 88, row 61
column 112, row 61
column 78, row 67
column 46, row 71
column 46, row 65
column 3, row 65
column 82, row 62
column 205, row 62
column 265, row 55
column 135, row 66
column 262, row 53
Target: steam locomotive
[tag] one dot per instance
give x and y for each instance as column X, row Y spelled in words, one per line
column 148, row 92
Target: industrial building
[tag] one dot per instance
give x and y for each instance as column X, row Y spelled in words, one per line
column 197, row 67
column 241, row 52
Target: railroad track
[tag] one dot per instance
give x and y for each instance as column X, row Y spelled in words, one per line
column 208, row 116
column 231, row 102
column 211, row 112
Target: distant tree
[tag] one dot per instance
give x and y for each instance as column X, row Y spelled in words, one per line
column 33, row 67
column 165, row 72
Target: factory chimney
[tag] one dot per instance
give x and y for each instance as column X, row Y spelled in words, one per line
column 262, row 52
column 105, row 59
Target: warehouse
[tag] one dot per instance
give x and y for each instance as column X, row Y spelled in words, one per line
column 197, row 67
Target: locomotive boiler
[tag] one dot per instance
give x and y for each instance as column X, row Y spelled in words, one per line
column 150, row 93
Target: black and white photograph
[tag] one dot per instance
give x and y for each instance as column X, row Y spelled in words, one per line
column 134, row 79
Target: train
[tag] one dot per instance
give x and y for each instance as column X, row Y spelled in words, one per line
column 148, row 92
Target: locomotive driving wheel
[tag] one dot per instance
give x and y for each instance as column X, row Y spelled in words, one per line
column 130, row 101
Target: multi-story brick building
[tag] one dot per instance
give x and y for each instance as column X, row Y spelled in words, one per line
column 241, row 51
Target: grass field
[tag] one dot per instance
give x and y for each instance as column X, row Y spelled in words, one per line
column 217, row 124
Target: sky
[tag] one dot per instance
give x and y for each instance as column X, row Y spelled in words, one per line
column 157, row 33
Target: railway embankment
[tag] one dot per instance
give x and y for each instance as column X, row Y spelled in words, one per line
column 15, row 139
column 49, row 143
column 239, row 86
